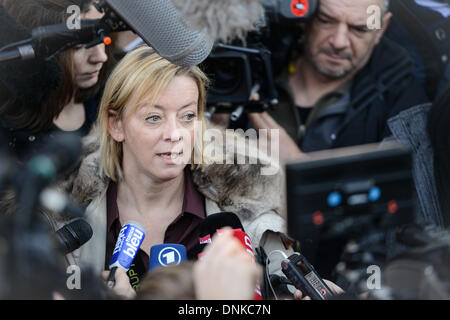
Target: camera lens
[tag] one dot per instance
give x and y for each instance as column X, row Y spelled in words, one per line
column 226, row 75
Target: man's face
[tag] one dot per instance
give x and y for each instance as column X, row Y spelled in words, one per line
column 339, row 42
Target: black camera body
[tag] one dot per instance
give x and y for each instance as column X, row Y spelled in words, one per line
column 243, row 68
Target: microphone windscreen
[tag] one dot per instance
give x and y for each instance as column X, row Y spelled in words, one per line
column 222, row 20
column 128, row 242
column 216, row 221
column 163, row 255
column 214, row 224
column 31, row 80
column 161, row 26
column 73, row 235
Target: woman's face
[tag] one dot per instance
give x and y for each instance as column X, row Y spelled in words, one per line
column 88, row 62
column 159, row 140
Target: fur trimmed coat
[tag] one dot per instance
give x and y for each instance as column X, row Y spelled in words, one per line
column 257, row 199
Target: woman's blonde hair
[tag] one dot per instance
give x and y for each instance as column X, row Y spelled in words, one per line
column 140, row 72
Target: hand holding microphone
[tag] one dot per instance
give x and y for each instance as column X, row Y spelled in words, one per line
column 128, row 243
column 122, row 286
column 226, row 270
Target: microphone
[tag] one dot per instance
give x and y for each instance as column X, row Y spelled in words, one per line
column 157, row 22
column 222, row 20
column 28, row 80
column 73, row 235
column 163, row 255
column 130, row 238
column 162, row 27
column 214, row 224
column 209, row 226
column 46, row 42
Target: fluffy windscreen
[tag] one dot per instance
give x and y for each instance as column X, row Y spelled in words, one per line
column 223, row 20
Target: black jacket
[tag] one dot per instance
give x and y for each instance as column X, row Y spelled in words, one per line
column 22, row 143
column 425, row 34
column 383, row 88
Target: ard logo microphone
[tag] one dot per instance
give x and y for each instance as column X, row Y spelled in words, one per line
column 163, row 255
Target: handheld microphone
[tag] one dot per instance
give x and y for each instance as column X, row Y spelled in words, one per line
column 215, row 223
column 73, row 235
column 163, row 255
column 305, row 278
column 243, row 238
column 130, row 238
column 219, row 220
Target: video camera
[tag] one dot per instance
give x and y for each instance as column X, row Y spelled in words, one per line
column 246, row 67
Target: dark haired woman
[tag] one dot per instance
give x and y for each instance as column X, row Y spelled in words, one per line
column 70, row 108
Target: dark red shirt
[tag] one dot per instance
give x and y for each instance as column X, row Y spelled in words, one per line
column 183, row 230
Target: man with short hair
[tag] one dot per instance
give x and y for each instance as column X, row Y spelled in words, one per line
column 346, row 83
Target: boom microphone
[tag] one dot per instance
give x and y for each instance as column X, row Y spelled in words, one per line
column 73, row 235
column 162, row 27
column 223, row 20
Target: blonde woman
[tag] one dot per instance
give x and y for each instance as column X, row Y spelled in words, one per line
column 139, row 165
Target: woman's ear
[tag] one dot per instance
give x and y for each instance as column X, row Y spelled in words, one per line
column 115, row 126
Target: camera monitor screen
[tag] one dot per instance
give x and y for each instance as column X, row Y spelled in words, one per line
column 339, row 195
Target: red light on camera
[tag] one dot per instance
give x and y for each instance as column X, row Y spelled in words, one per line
column 318, row 218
